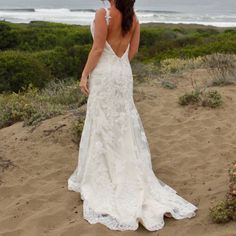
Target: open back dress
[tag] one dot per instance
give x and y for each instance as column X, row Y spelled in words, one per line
column 114, row 174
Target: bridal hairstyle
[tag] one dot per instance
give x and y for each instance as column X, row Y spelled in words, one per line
column 126, row 7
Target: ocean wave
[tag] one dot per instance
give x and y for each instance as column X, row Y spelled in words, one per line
column 18, row 9
column 52, row 10
column 82, row 10
column 85, row 16
column 156, row 11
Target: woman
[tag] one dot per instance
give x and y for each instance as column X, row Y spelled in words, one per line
column 114, row 173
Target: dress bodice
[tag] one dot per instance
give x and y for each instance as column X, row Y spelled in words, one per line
column 108, row 47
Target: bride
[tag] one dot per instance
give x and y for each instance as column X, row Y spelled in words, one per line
column 114, row 175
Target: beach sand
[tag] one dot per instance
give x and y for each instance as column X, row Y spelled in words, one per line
column 191, row 149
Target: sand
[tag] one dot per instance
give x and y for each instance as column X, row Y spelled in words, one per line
column 191, row 149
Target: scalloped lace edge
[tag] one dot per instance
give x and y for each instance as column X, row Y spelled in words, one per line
column 112, row 223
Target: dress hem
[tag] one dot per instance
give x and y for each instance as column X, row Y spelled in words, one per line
column 112, row 223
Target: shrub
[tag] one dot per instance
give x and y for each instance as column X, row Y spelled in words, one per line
column 48, row 41
column 194, row 97
column 176, row 65
column 225, row 210
column 33, row 105
column 37, row 36
column 81, row 37
column 148, row 37
column 220, row 213
column 139, row 71
column 143, row 72
column 157, row 42
column 186, row 40
column 79, row 55
column 168, row 84
column 222, row 68
column 201, row 98
column 19, row 69
column 62, row 62
column 28, row 39
column 27, row 107
column 8, row 38
column 64, row 92
column 212, row 99
column 57, row 62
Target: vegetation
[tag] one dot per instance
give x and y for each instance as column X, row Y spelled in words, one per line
column 77, row 128
column 201, row 96
column 168, row 84
column 211, row 98
column 39, row 52
column 40, row 63
column 225, row 210
column 221, row 68
column 177, row 66
column 19, row 69
column 63, row 48
column 143, row 72
column 33, row 105
column 158, row 43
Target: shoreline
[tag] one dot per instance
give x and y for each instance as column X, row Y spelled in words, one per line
column 144, row 24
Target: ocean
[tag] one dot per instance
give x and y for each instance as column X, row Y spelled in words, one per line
column 207, row 12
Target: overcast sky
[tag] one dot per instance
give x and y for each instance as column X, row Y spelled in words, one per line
column 144, row 4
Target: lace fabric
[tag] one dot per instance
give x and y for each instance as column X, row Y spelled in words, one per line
column 114, row 174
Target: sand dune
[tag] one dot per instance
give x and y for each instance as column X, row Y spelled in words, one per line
column 191, row 151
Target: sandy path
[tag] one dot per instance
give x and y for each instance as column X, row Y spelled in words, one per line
column 191, row 151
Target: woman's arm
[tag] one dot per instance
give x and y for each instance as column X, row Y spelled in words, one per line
column 134, row 42
column 100, row 34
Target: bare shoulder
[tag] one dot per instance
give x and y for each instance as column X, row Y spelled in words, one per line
column 100, row 15
column 100, row 11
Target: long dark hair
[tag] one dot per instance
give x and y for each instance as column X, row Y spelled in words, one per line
column 126, row 7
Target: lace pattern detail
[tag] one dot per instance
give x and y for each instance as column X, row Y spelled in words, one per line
column 114, row 174
column 107, row 17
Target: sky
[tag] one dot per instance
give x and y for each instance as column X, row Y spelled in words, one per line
column 178, row 5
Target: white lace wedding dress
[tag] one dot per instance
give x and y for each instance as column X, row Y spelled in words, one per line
column 114, row 173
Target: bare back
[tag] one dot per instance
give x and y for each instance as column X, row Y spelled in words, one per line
column 116, row 40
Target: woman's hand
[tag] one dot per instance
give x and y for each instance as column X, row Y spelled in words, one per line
column 84, row 85
column 96, row 51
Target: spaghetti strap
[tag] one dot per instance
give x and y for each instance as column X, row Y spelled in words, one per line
column 107, row 15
